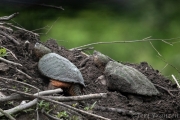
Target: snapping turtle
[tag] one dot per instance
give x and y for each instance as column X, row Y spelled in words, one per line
column 61, row 71
column 124, row 78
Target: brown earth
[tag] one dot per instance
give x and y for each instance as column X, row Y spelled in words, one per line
column 162, row 107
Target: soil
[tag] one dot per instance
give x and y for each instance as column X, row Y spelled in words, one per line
column 163, row 107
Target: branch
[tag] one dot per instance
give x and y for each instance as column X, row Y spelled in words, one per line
column 31, row 103
column 21, row 29
column 60, row 103
column 9, row 37
column 10, row 62
column 7, row 79
column 6, row 18
column 78, row 98
column 168, row 91
column 7, row 115
column 24, row 73
column 132, row 41
column 118, row 110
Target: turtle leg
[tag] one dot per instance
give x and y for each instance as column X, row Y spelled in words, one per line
column 75, row 90
column 58, row 84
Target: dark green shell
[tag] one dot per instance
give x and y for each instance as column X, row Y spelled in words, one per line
column 59, row 68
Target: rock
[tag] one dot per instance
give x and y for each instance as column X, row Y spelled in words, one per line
column 126, row 79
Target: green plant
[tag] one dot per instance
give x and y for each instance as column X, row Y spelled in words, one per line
column 62, row 114
column 90, row 107
column 3, row 52
column 44, row 105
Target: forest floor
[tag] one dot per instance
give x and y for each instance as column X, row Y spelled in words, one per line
column 166, row 106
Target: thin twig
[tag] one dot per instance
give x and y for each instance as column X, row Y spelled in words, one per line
column 31, row 103
column 6, row 18
column 78, row 98
column 7, row 115
column 60, row 103
column 21, row 29
column 176, row 81
column 24, row 73
column 168, row 91
column 10, row 52
column 169, row 64
column 10, row 62
column 132, row 41
column 118, row 110
column 8, row 79
column 155, row 49
column 9, row 37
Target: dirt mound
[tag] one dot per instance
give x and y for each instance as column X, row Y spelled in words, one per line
column 162, row 107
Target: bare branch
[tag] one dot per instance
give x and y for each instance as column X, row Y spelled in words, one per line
column 60, row 103
column 118, row 110
column 21, row 29
column 132, row 41
column 6, row 18
column 7, row 115
column 155, row 49
column 10, row 62
column 31, row 103
column 9, row 37
column 78, row 98
column 24, row 73
column 168, row 91
column 7, row 79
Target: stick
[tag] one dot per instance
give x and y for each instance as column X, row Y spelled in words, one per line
column 7, row 115
column 11, row 53
column 168, row 91
column 78, row 98
column 118, row 110
column 24, row 73
column 9, row 37
column 3, row 78
column 31, row 103
column 6, row 18
column 176, row 81
column 132, row 41
column 60, row 103
column 10, row 62
column 21, row 29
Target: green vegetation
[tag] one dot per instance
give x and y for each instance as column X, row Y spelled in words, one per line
column 3, row 52
column 119, row 21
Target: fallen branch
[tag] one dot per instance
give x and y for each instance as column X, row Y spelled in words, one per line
column 60, row 103
column 118, row 110
column 78, row 98
column 10, row 62
column 7, row 79
column 9, row 37
column 24, row 73
column 21, row 29
column 6, row 18
column 29, row 104
column 7, row 115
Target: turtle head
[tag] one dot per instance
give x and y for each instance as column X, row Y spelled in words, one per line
column 40, row 50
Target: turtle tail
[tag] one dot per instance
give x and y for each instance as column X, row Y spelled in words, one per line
column 75, row 90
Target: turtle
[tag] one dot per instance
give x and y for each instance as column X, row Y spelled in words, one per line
column 61, row 72
column 123, row 78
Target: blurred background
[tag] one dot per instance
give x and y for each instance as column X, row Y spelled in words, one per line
column 83, row 22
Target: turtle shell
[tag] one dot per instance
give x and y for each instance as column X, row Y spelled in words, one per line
column 59, row 68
